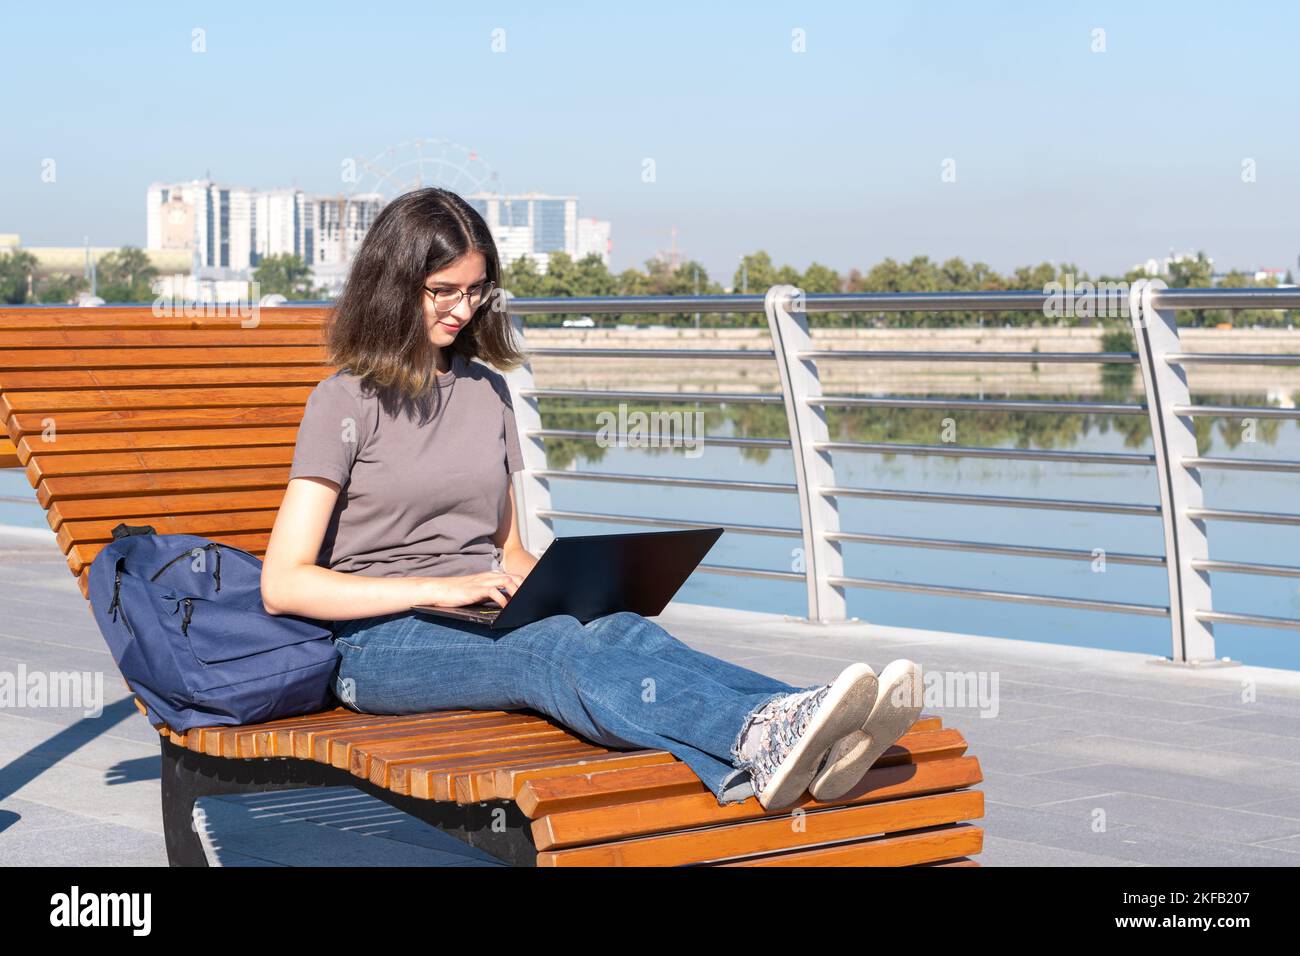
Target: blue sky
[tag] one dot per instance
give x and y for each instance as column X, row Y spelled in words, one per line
column 831, row 155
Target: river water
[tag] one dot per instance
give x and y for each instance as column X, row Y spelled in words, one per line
column 1098, row 580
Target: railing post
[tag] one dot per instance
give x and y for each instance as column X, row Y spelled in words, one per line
column 1174, row 439
column 788, row 321
column 532, row 494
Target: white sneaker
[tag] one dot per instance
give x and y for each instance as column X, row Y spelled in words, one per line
column 785, row 741
column 897, row 705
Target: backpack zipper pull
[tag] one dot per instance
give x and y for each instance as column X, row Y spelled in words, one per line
column 117, row 584
column 217, row 574
column 185, row 619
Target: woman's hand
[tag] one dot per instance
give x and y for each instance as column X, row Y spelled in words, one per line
column 466, row 589
column 519, row 562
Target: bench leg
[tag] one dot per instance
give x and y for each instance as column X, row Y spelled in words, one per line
column 187, row 775
column 498, row 828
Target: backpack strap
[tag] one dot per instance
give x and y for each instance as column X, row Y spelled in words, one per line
column 124, row 530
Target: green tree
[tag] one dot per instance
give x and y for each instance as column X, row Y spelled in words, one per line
column 60, row 288
column 819, row 279
column 561, row 277
column 1196, row 273
column 1236, row 279
column 758, row 271
column 285, row 275
column 17, row 272
column 592, row 276
column 757, row 274
column 1191, row 273
column 522, row 279
column 633, row 282
column 125, row 275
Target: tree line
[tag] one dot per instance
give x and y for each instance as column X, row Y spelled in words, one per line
column 127, row 275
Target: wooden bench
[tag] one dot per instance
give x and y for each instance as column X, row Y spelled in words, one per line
column 188, row 425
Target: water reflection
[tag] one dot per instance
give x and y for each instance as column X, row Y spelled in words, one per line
column 1064, row 528
column 981, row 428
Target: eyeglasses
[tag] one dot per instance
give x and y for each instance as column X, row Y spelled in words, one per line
column 447, row 299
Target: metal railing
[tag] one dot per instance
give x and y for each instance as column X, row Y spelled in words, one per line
column 1167, row 405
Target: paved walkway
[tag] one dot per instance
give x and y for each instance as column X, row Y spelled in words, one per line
column 1090, row 758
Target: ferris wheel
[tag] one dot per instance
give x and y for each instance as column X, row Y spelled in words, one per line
column 422, row 162
column 370, row 184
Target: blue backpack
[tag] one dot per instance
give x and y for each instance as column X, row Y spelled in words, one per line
column 183, row 616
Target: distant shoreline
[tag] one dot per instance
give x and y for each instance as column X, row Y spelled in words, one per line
column 901, row 377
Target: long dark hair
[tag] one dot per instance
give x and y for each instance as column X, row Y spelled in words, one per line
column 376, row 329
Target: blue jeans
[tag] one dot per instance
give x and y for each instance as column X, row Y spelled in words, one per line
column 620, row 681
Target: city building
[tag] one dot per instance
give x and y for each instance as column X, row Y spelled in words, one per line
column 214, row 223
column 332, row 228
column 593, row 236
column 537, row 224
column 226, row 231
column 1161, row 267
column 1271, row 277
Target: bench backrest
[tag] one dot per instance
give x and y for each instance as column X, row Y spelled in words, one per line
column 187, row 424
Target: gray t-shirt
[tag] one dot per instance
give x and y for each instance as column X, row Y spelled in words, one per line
column 423, row 487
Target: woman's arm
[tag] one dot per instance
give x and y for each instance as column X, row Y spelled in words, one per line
column 292, row 582
column 513, row 556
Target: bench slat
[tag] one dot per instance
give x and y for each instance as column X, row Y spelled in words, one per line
column 499, row 783
column 462, row 784
column 32, row 424
column 202, row 480
column 358, row 749
column 132, row 317
column 162, row 398
column 105, row 463
column 774, row 832
column 557, row 793
column 80, row 378
column 443, row 771
column 156, row 338
column 296, row 737
column 80, row 532
column 128, row 509
column 929, row 848
column 508, row 783
column 58, row 358
column 601, row 824
column 179, row 438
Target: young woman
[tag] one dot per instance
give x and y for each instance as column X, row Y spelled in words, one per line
column 400, row 494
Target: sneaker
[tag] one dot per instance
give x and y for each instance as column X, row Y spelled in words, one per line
column 897, row 705
column 785, row 741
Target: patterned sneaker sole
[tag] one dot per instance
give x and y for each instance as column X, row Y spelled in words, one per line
column 853, row 756
column 843, row 710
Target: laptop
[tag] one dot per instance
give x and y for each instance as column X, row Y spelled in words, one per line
column 589, row 576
